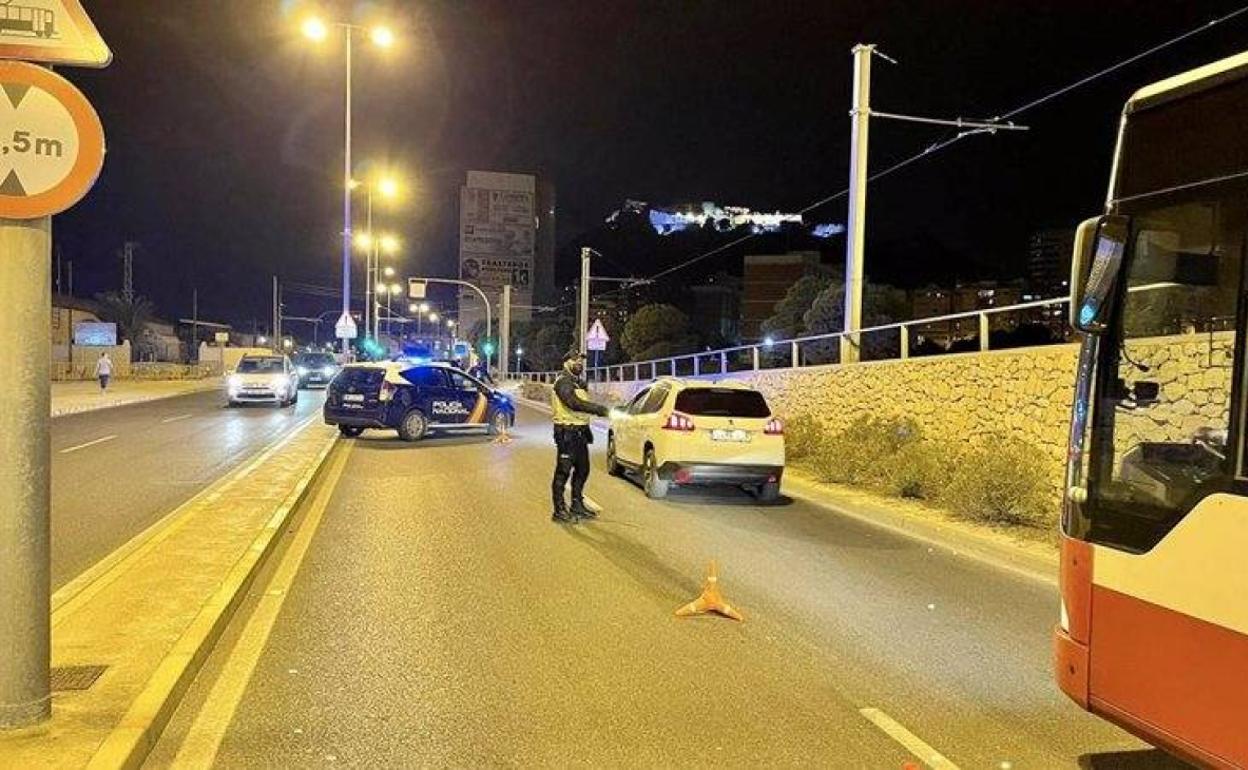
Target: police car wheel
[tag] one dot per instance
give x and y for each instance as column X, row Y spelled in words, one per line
column 613, row 465
column 769, row 491
column 413, row 426
column 656, row 487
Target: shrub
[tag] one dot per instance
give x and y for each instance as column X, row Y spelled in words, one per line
column 1000, row 481
column 802, row 437
column 921, row 469
column 858, row 453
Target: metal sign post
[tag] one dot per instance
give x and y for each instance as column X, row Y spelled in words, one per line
column 51, row 151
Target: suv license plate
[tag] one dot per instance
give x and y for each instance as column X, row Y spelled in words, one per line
column 729, row 435
column 353, row 397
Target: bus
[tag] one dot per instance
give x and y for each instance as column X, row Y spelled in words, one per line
column 38, row 22
column 1153, row 628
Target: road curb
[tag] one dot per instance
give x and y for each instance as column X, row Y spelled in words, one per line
column 130, row 741
column 67, row 412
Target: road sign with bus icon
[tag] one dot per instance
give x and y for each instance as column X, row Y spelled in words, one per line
column 51, row 32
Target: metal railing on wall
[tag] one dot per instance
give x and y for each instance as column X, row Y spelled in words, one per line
column 932, row 336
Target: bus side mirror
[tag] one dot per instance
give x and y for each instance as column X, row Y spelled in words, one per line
column 1100, row 244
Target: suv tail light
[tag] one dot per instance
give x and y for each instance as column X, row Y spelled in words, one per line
column 387, row 391
column 774, row 428
column 678, row 421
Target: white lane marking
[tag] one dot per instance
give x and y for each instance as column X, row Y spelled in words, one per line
column 915, row 745
column 175, row 419
column 203, row 740
column 67, row 450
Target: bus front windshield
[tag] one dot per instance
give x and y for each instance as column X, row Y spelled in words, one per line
column 1164, row 391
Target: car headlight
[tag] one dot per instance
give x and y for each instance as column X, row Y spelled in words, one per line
column 234, row 382
column 280, row 381
column 303, row 371
column 328, row 371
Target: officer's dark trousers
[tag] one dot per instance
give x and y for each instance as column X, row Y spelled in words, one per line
column 572, row 446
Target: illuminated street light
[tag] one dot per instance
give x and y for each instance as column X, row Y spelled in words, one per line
column 424, row 307
column 261, row 339
column 396, row 289
column 450, row 323
column 413, row 308
column 433, row 317
column 768, row 341
column 388, row 187
column 315, row 29
column 383, row 37
column 380, row 287
column 388, row 272
column 389, row 244
column 364, row 241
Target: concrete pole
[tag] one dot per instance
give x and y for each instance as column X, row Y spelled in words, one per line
column 25, row 478
column 346, row 205
column 582, row 316
column 855, row 237
column 369, row 310
column 276, row 337
column 504, row 333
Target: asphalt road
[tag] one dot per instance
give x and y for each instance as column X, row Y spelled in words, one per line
column 117, row 471
column 438, row 618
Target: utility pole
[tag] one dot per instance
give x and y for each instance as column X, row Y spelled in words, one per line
column 855, row 232
column 582, row 316
column 70, row 268
column 25, row 474
column 504, row 332
column 194, row 325
column 127, row 271
column 277, row 319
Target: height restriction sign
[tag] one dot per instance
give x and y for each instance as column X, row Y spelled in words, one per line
column 51, row 142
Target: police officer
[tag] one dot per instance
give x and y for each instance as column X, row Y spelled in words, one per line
column 572, row 411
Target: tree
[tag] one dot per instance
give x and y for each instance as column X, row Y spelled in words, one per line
column 788, row 320
column 656, row 331
column 131, row 316
column 881, row 305
column 549, row 344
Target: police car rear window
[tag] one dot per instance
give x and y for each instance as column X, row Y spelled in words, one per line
column 359, row 377
column 722, row 402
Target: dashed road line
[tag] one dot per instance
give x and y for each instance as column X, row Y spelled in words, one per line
column 913, row 743
column 175, row 419
column 101, row 440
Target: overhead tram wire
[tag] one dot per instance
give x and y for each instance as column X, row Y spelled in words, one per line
column 943, row 144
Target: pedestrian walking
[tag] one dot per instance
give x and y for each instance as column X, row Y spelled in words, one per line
column 104, row 370
column 572, row 411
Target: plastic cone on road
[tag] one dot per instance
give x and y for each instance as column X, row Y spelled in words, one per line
column 711, row 600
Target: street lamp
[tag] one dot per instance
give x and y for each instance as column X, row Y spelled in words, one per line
column 388, row 272
column 317, row 30
column 393, row 290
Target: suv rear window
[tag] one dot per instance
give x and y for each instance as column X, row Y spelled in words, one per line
column 359, row 377
column 722, row 402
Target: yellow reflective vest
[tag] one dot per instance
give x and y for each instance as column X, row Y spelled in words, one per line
column 564, row 415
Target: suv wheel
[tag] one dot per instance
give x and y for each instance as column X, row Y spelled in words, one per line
column 350, row 431
column 613, row 465
column 413, row 426
column 656, row 488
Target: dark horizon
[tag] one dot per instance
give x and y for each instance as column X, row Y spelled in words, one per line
column 737, row 104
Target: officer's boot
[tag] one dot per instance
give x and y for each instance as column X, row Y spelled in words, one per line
column 579, row 509
column 560, row 512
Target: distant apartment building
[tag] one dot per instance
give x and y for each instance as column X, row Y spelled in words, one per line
column 717, row 308
column 1048, row 263
column 766, row 279
column 935, row 301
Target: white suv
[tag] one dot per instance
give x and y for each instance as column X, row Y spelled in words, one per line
column 693, row 432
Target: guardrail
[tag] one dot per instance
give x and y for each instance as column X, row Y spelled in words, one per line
column 888, row 341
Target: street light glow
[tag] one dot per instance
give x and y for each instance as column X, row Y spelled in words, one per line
column 364, row 241
column 450, row 323
column 388, row 271
column 433, row 317
column 383, row 37
column 388, row 187
column 390, row 245
column 413, row 308
column 315, row 29
column 381, row 288
column 424, row 307
column 396, row 289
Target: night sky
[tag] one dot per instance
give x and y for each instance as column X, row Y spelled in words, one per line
column 225, row 125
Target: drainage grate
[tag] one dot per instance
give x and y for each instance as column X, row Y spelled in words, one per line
column 75, row 677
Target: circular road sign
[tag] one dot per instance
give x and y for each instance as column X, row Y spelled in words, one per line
column 51, row 142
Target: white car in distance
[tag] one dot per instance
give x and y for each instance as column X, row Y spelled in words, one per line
column 263, row 380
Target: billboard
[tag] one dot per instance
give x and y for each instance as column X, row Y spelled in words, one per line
column 497, row 239
column 95, row 334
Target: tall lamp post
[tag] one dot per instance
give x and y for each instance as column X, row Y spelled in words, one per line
column 317, row 30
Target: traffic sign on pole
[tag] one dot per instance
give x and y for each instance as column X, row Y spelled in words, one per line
column 52, row 32
column 597, row 338
column 346, row 328
column 51, row 141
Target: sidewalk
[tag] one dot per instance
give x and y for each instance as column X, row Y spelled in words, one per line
column 150, row 613
column 85, row 396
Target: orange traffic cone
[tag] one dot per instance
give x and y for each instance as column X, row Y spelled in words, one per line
column 711, row 601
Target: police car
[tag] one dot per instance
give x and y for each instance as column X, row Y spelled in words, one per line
column 414, row 399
